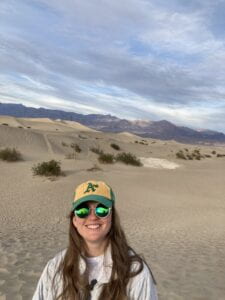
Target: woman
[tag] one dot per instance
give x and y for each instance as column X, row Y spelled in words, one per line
column 98, row 263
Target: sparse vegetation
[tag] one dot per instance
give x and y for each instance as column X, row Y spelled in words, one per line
column 96, row 150
column 196, row 154
column 64, row 144
column 106, row 158
column 76, row 147
column 10, row 155
column 142, row 142
column 50, row 168
column 180, row 154
column 5, row 124
column 213, row 152
column 128, row 159
column 187, row 155
column 115, row 146
column 220, row 155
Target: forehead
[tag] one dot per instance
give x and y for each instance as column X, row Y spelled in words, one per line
column 92, row 203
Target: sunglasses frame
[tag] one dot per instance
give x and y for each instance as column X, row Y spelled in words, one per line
column 90, row 209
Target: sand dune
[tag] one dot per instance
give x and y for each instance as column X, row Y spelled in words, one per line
column 44, row 124
column 128, row 134
column 173, row 211
column 79, row 126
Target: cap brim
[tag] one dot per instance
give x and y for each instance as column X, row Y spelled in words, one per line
column 103, row 200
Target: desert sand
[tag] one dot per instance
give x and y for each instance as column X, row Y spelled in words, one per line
column 173, row 210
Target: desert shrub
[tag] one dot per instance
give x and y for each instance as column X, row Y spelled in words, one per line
column 180, row 155
column 28, row 127
column 197, row 155
column 220, row 155
column 213, row 152
column 76, row 147
column 190, row 157
column 143, row 143
column 10, row 154
column 96, row 150
column 186, row 149
column 64, row 144
column 208, row 155
column 115, row 146
column 128, row 159
column 106, row 158
column 49, row 168
column 136, row 142
column 196, row 151
column 20, row 127
column 5, row 124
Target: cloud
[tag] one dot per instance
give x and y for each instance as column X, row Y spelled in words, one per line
column 134, row 59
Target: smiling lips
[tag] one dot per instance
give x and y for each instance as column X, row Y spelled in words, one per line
column 93, row 226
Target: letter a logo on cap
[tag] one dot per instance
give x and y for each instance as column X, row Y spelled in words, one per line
column 91, row 187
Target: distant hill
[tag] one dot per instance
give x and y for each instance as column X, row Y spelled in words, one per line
column 163, row 130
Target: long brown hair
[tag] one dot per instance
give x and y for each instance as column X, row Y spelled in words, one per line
column 75, row 285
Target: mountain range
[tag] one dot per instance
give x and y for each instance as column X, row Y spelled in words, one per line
column 163, row 130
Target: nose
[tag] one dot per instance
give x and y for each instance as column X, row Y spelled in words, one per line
column 92, row 215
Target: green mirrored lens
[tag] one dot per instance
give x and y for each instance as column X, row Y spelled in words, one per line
column 82, row 212
column 102, row 211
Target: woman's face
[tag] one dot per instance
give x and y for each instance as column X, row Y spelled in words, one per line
column 92, row 228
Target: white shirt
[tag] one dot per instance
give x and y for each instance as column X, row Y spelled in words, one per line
column 94, row 265
column 140, row 287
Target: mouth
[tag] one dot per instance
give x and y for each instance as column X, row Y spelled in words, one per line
column 93, row 226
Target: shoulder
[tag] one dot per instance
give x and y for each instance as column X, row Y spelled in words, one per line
column 142, row 285
column 44, row 287
column 54, row 262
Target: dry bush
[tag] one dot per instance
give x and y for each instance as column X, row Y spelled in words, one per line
column 128, row 159
column 76, row 147
column 115, row 146
column 106, row 158
column 49, row 168
column 180, row 154
column 96, row 150
column 8, row 154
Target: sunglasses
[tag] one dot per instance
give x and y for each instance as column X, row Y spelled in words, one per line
column 83, row 211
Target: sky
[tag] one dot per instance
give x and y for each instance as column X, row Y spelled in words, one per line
column 134, row 59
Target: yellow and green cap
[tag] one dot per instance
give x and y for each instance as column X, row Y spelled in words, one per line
column 93, row 190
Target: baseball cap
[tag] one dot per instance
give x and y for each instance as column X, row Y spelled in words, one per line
column 93, row 190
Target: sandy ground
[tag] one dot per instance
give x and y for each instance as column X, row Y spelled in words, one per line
column 173, row 211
